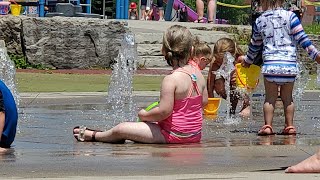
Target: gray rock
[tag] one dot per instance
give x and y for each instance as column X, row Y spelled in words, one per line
column 64, row 43
column 10, row 31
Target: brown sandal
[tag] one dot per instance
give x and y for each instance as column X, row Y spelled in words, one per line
column 78, row 138
column 201, row 20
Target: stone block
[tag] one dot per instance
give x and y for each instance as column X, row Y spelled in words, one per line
column 66, row 43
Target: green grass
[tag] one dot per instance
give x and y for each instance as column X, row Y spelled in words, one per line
column 312, row 84
column 312, row 29
column 39, row 82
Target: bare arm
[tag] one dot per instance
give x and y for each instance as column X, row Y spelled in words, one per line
column 255, row 46
column 302, row 38
column 210, row 82
column 165, row 107
column 204, row 97
column 2, row 121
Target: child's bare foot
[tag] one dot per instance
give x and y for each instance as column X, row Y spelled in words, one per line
column 3, row 150
column 266, row 130
column 245, row 112
column 310, row 165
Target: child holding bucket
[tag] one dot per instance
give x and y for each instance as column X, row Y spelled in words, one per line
column 217, row 83
column 178, row 118
column 276, row 33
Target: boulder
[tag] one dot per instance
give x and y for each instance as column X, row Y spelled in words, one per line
column 63, row 42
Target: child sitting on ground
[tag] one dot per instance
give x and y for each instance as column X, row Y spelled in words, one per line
column 178, row 118
column 133, row 12
column 276, row 33
column 8, row 118
column 148, row 14
column 217, row 83
column 202, row 54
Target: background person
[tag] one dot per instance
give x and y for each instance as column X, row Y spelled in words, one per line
column 133, row 12
column 211, row 11
column 148, row 3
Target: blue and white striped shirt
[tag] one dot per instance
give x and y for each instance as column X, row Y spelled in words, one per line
column 276, row 33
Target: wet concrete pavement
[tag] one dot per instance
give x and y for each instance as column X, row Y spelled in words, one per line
column 45, row 147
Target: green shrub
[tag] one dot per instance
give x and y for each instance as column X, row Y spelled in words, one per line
column 21, row 62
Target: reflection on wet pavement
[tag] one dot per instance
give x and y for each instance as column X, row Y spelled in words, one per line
column 45, row 141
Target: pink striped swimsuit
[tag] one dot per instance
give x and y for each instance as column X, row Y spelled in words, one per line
column 184, row 125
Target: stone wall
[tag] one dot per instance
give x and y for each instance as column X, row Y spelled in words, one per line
column 63, row 42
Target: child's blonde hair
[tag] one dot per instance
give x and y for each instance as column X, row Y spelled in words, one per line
column 177, row 45
column 224, row 45
column 201, row 48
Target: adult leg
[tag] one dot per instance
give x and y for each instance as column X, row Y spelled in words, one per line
column 143, row 9
column 211, row 11
column 271, row 90
column 160, row 8
column 135, row 131
column 200, row 9
column 288, row 105
column 309, row 165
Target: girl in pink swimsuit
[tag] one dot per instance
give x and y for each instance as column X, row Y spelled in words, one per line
column 178, row 118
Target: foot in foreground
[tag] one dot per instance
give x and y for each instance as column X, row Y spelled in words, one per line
column 245, row 112
column 310, row 165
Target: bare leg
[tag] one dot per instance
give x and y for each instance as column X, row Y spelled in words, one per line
column 143, row 17
column 161, row 15
column 271, row 90
column 211, row 10
column 288, row 105
column 134, row 131
column 200, row 9
column 309, row 165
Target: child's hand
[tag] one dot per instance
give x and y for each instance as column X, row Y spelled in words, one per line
column 142, row 113
column 245, row 64
column 240, row 59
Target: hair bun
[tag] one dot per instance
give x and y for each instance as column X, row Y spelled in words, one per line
column 169, row 55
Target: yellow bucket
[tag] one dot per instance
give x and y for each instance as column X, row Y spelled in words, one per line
column 15, row 9
column 247, row 78
column 212, row 107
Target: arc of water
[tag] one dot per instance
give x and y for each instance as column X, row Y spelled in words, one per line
column 120, row 90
